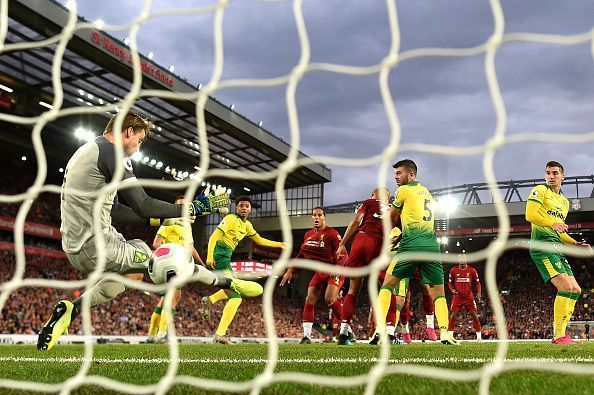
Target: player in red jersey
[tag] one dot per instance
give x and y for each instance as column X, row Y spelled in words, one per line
column 319, row 244
column 461, row 280
column 366, row 246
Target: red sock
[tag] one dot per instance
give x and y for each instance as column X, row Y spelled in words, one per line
column 337, row 309
column 453, row 318
column 428, row 304
column 348, row 307
column 476, row 324
column 404, row 315
column 308, row 313
column 391, row 316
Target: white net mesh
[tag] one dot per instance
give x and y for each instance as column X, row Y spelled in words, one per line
column 290, row 81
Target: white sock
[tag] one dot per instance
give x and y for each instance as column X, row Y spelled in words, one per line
column 451, row 333
column 307, row 329
column 405, row 328
column 205, row 276
column 478, row 336
column 430, row 320
column 391, row 329
column 344, row 328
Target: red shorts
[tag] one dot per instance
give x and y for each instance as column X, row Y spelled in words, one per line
column 364, row 249
column 460, row 301
column 319, row 280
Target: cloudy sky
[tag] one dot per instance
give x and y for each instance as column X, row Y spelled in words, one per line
column 546, row 88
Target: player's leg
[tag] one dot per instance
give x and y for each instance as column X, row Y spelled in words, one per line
column 476, row 322
column 207, row 301
column 429, row 312
column 229, row 312
column 333, row 285
column 155, row 319
column 551, row 267
column 391, row 320
column 307, row 317
column 167, row 315
column 404, row 317
column 454, row 312
column 348, row 308
column 121, row 257
column 432, row 273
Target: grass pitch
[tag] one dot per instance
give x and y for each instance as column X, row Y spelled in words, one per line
column 147, row 364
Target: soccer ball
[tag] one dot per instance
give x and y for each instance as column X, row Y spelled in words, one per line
column 170, row 260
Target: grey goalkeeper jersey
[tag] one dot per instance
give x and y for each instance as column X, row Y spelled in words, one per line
column 88, row 170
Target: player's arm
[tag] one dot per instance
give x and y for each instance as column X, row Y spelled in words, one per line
column 212, row 242
column 349, row 233
column 264, row 242
column 125, row 215
column 289, row 273
column 534, row 215
column 451, row 284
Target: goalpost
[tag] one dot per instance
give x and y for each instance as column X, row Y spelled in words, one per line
column 382, row 70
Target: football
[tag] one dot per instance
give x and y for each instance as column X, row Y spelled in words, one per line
column 170, row 260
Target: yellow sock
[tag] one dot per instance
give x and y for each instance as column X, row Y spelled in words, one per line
column 570, row 307
column 397, row 319
column 228, row 315
column 562, row 309
column 384, row 299
column 155, row 318
column 166, row 317
column 441, row 313
column 218, row 296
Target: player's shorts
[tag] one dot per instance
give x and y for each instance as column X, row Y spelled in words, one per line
column 402, row 287
column 222, row 257
column 121, row 255
column 431, row 272
column 550, row 264
column 319, row 280
column 364, row 249
column 458, row 302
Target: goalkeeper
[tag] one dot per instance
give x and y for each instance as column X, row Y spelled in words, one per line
column 223, row 241
column 88, row 171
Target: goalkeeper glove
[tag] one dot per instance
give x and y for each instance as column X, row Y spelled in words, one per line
column 209, row 203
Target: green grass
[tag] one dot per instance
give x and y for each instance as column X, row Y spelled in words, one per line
column 298, row 358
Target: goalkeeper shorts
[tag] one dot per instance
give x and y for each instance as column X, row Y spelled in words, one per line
column 121, row 256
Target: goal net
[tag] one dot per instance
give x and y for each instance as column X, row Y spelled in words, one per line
column 289, row 81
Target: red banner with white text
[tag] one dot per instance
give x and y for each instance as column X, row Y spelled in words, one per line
column 32, row 228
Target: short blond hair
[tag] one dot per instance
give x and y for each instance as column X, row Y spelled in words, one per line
column 131, row 120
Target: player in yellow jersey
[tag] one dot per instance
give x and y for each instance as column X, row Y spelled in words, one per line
column 414, row 205
column 546, row 210
column 180, row 233
column 232, row 229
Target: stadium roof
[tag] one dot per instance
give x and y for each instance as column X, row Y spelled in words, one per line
column 96, row 71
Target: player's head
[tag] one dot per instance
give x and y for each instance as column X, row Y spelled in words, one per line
column 554, row 174
column 382, row 194
column 405, row 171
column 462, row 261
column 318, row 217
column 243, row 206
column 135, row 131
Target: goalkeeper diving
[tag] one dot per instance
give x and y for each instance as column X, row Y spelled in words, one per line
column 88, row 171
